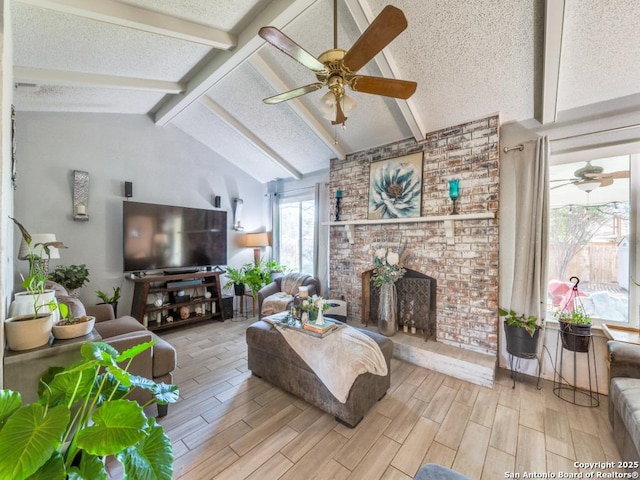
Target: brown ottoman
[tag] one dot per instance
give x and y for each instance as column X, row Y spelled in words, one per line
column 270, row 357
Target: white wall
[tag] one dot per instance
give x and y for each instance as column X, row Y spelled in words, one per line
column 165, row 165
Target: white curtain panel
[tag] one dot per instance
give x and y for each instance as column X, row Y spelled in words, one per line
column 321, row 246
column 529, row 289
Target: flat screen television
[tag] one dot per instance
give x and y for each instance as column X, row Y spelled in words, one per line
column 164, row 237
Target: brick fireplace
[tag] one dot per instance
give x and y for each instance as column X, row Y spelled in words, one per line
column 416, row 294
column 463, row 263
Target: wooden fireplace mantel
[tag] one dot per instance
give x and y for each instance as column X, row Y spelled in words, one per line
column 449, row 223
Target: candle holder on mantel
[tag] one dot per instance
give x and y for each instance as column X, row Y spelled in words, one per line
column 454, row 193
column 338, row 204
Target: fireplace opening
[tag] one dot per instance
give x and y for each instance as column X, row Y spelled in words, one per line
column 416, row 293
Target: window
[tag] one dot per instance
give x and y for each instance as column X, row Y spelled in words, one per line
column 296, row 217
column 591, row 234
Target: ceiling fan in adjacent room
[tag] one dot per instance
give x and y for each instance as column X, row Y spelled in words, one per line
column 590, row 177
column 337, row 68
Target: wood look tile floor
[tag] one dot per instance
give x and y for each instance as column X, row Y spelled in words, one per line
column 231, row 425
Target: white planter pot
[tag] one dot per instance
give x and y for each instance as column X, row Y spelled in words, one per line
column 23, row 332
column 23, row 304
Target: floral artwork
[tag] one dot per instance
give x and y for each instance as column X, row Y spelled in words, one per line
column 395, row 187
column 388, row 266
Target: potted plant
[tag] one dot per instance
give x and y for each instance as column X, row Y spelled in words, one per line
column 71, row 277
column 31, row 314
column 257, row 275
column 237, row 278
column 111, row 300
column 82, row 416
column 521, row 332
column 575, row 328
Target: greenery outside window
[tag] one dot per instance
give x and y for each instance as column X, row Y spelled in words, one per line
column 296, row 217
column 591, row 235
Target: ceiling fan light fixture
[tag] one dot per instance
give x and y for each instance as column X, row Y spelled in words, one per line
column 348, row 104
column 328, row 105
column 588, row 186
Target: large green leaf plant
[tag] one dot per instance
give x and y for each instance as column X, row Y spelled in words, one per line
column 83, row 415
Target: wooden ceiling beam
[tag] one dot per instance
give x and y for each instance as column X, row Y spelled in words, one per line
column 278, row 13
column 547, row 111
column 116, row 13
column 363, row 16
column 43, row 76
column 249, row 136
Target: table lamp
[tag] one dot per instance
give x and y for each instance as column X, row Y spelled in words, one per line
column 37, row 239
column 257, row 240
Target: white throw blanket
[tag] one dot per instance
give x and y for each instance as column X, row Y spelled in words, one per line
column 338, row 358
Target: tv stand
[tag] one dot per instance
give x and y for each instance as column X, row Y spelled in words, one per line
column 150, row 287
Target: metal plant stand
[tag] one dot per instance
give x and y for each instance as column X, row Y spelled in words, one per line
column 566, row 389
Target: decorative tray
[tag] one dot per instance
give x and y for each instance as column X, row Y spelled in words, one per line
column 622, row 334
column 286, row 321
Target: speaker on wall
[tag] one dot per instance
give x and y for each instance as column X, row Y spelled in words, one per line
column 128, row 189
column 216, row 201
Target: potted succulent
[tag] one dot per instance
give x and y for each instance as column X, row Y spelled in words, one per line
column 82, row 416
column 521, row 332
column 31, row 314
column 575, row 328
column 71, row 277
column 111, row 300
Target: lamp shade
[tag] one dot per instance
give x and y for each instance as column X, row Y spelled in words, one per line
column 37, row 250
column 257, row 240
column 588, row 186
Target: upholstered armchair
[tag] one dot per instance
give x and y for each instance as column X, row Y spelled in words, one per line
column 276, row 296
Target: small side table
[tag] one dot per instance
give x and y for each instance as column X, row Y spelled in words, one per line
column 566, row 388
column 22, row 370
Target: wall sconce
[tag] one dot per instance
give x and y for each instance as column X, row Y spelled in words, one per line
column 80, row 195
column 338, row 204
column 237, row 214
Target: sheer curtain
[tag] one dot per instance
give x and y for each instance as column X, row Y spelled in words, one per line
column 321, row 237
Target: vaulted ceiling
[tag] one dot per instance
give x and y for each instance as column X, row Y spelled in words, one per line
column 201, row 66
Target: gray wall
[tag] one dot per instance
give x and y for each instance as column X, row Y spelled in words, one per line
column 165, row 165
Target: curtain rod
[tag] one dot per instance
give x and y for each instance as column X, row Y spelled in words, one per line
column 578, row 135
column 517, row 147
column 606, row 130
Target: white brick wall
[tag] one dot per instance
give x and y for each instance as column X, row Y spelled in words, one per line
column 466, row 272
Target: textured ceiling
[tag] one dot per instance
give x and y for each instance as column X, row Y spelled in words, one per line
column 470, row 58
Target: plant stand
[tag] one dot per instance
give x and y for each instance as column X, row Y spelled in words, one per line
column 566, row 389
column 521, row 346
column 514, row 367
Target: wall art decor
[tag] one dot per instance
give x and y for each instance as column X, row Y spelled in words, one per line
column 395, row 187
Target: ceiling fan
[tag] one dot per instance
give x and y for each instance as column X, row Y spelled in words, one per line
column 337, row 68
column 590, row 177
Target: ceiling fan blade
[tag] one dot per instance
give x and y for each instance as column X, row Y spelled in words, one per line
column 385, row 27
column 340, row 117
column 283, row 43
column 605, row 182
column 618, row 174
column 563, row 185
column 387, row 87
column 296, row 92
